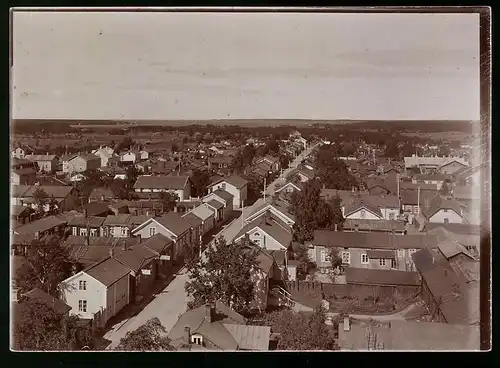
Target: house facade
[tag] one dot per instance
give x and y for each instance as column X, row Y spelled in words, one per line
column 26, row 176
column 82, row 163
column 46, row 163
column 116, row 226
column 451, row 167
column 180, row 185
column 98, row 292
column 235, row 185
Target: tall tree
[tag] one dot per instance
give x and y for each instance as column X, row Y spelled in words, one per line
column 445, row 188
column 168, row 200
column 36, row 326
column 224, row 273
column 149, row 337
column 200, row 180
column 300, row 330
column 332, row 172
column 40, row 197
column 392, row 149
column 50, row 264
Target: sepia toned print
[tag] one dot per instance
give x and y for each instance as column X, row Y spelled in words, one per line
column 249, row 180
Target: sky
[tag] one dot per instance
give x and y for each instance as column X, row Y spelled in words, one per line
column 91, row 65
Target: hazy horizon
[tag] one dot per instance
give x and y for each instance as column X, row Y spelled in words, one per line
column 246, row 66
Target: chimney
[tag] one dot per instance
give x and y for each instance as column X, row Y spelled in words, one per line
column 208, row 312
column 347, row 324
column 187, row 334
column 85, row 213
column 336, row 227
column 111, row 252
column 247, row 239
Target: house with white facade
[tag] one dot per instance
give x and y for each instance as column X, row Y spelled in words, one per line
column 289, row 187
column 98, row 292
column 277, row 208
column 206, row 215
column 234, row 185
column 104, row 153
column 117, row 226
column 46, row 163
column 180, row 185
column 173, row 227
column 371, row 207
column 129, row 156
column 267, row 231
column 444, row 210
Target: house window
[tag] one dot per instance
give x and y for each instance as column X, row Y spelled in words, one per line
column 75, row 231
column 198, row 340
column 446, row 221
column 391, row 215
column 224, row 186
column 363, row 213
column 346, row 257
column 111, row 231
column 93, row 232
column 152, row 231
column 124, row 231
column 82, row 306
column 256, row 234
column 83, row 232
column 401, row 253
column 323, row 256
column 82, row 285
column 411, row 251
column 381, row 261
column 393, row 263
column 445, row 210
column 364, row 258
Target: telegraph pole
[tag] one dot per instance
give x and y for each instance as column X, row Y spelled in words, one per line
column 265, row 189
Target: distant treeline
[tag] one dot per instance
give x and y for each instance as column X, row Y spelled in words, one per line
column 369, row 131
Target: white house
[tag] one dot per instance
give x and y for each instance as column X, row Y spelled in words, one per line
column 268, row 232
column 19, row 153
column 371, row 207
column 172, row 226
column 129, row 156
column 277, row 208
column 99, row 291
column 444, row 211
column 144, row 155
column 46, row 163
column 289, row 188
column 223, row 197
column 181, row 185
column 234, row 185
column 117, row 226
column 82, row 163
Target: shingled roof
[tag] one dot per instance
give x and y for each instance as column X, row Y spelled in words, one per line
column 161, row 182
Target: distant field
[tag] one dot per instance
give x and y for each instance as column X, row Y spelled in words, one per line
column 451, row 135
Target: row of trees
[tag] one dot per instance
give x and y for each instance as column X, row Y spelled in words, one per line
column 332, row 172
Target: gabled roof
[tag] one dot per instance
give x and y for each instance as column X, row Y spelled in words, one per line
column 40, row 157
column 17, row 210
column 202, row 211
column 24, row 171
column 431, row 161
column 157, row 243
column 299, row 186
column 82, row 221
column 280, row 207
column 174, row 223
column 250, row 337
column 215, row 204
column 161, row 182
column 234, row 180
column 118, row 220
column 96, row 208
column 439, row 203
column 327, row 238
column 194, row 220
column 374, row 225
column 56, row 304
column 97, row 193
column 107, row 271
column 466, row 172
column 135, row 257
column 58, row 191
column 410, row 197
column 272, row 226
column 351, row 208
column 41, row 225
column 213, row 331
column 223, row 194
column 87, row 157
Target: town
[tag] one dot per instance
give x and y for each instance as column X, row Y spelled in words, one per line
column 298, row 235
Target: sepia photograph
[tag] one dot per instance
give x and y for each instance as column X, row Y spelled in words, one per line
column 250, row 179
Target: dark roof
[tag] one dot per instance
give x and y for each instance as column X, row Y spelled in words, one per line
column 161, row 182
column 381, row 277
column 224, row 195
column 136, row 220
column 278, row 206
column 351, row 208
column 272, row 226
column 41, row 225
column 374, row 225
column 17, row 210
column 194, row 220
column 380, row 254
column 103, row 241
column 92, row 221
column 174, row 223
column 215, row 331
column 278, row 255
column 57, row 305
column 96, row 208
column 56, row 191
column 119, row 220
column 107, row 271
column 461, row 229
column 439, row 203
column 408, row 185
column 135, row 257
column 215, row 204
column 373, row 240
column 433, row 177
column 410, row 197
column 157, row 243
column 17, row 191
column 234, row 180
column 97, row 193
column 448, row 289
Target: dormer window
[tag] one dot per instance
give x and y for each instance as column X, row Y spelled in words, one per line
column 197, row 339
column 363, row 213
